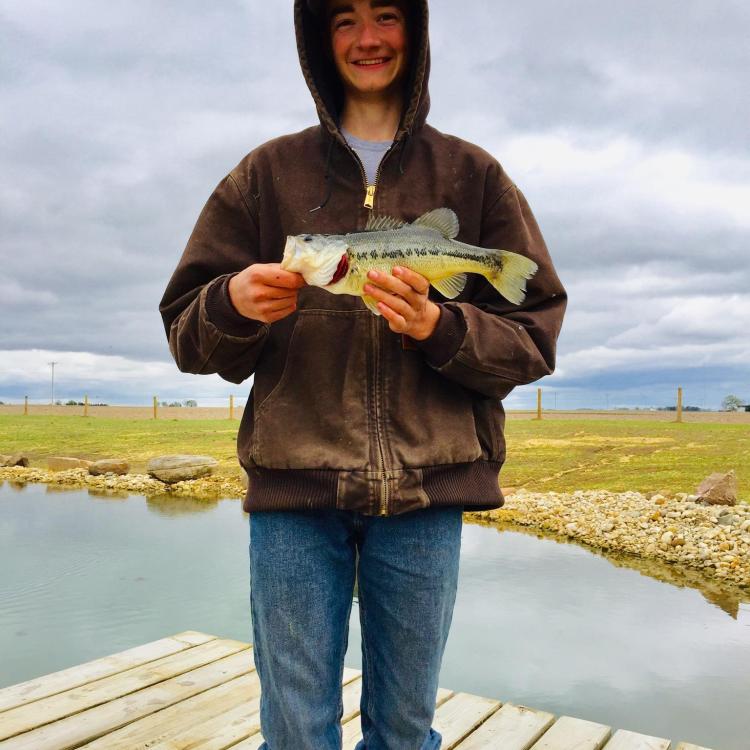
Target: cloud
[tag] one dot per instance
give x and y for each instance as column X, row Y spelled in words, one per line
column 624, row 127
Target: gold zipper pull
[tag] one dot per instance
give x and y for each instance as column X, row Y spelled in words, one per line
column 370, row 197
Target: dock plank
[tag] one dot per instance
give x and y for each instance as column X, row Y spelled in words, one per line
column 45, row 710
column 194, row 691
column 170, row 722
column 623, row 739
column 67, row 679
column 570, row 733
column 93, row 723
column 512, row 727
column 460, row 715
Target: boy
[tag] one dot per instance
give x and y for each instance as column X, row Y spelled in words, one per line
column 365, row 437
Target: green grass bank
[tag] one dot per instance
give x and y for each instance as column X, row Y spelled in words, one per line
column 558, row 455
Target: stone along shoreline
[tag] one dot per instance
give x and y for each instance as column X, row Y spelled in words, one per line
column 713, row 538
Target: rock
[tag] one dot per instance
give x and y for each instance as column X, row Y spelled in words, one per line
column 109, row 466
column 179, row 468
column 63, row 463
column 718, row 489
column 727, row 520
column 17, row 459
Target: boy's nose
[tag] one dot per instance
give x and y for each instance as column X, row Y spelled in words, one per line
column 369, row 36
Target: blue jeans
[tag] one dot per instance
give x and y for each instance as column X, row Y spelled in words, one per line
column 302, row 570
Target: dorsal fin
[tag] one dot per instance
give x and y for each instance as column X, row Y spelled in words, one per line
column 382, row 223
column 444, row 220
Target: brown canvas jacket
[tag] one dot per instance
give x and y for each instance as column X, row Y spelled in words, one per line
column 343, row 413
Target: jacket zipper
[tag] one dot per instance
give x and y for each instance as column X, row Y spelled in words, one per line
column 369, row 203
column 384, row 492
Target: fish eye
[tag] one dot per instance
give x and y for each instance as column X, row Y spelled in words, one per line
column 307, row 238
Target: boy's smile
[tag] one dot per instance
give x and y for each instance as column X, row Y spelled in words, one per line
column 369, row 44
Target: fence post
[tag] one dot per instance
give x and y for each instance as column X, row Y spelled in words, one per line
column 679, row 404
column 86, row 405
column 25, row 404
column 538, row 403
column 154, row 407
column 231, row 406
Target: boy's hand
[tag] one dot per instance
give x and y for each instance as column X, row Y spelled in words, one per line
column 402, row 301
column 265, row 292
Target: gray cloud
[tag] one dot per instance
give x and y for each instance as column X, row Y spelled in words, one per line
column 625, row 127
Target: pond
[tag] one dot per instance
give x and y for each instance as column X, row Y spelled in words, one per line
column 546, row 624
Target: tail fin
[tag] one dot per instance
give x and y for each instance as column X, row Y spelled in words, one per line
column 510, row 279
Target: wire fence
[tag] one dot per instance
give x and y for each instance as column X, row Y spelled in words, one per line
column 534, row 400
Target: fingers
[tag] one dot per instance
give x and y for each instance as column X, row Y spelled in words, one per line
column 397, row 323
column 271, row 274
column 415, row 280
column 270, row 312
column 393, row 301
column 407, row 286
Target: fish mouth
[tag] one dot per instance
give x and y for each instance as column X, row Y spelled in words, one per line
column 290, row 253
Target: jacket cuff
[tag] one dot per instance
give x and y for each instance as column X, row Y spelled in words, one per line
column 447, row 337
column 223, row 314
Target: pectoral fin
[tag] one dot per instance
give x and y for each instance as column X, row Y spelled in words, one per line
column 372, row 304
column 451, row 286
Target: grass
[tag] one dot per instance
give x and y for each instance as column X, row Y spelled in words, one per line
column 554, row 455
column 620, row 455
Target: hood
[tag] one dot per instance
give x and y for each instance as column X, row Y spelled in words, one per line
column 323, row 81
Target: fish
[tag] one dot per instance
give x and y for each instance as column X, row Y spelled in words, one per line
column 340, row 263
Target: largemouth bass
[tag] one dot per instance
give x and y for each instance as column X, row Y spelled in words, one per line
column 340, row 262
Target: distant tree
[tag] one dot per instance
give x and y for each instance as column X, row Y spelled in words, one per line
column 190, row 402
column 175, row 403
column 731, row 403
column 163, row 403
column 71, row 402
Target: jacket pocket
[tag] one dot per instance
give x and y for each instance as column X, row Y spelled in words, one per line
column 489, row 419
column 431, row 420
column 315, row 417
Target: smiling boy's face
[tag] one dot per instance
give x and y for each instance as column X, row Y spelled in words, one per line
column 369, row 43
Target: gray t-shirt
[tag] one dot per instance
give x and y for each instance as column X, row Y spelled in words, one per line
column 370, row 153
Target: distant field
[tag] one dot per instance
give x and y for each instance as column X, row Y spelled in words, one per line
column 202, row 412
column 563, row 452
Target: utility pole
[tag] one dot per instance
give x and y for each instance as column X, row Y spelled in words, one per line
column 52, row 365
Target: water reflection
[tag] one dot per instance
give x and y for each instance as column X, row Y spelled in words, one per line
column 108, row 493
column 177, row 505
column 726, row 596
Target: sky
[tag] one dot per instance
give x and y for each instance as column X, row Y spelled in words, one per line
column 625, row 125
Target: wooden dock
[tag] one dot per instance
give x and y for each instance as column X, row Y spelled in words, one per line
column 194, row 690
